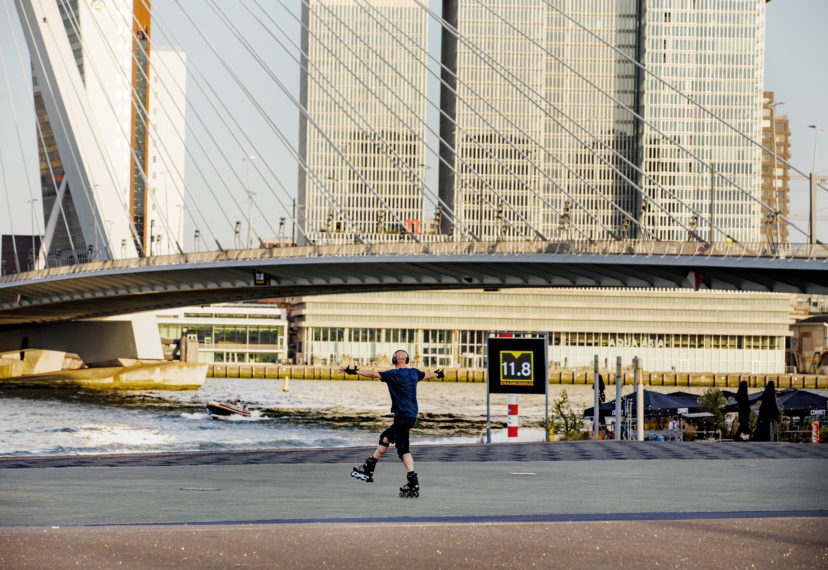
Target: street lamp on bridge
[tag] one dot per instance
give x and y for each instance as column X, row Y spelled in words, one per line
column 247, row 160
column 814, row 181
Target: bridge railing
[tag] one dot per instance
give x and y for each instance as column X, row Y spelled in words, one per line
column 818, row 253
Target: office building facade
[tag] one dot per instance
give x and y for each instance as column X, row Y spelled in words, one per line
column 559, row 131
column 552, row 132
column 668, row 330
column 361, row 177
column 230, row 332
column 776, row 178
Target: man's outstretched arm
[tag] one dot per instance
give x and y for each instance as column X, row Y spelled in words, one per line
column 436, row 374
column 356, row 371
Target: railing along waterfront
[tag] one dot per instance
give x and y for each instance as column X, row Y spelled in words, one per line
column 817, row 253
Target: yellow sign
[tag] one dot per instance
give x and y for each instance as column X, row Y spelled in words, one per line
column 517, row 368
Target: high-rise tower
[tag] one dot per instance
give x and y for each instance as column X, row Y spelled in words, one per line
column 362, row 147
column 583, row 118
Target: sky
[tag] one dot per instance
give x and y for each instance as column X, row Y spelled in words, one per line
column 796, row 70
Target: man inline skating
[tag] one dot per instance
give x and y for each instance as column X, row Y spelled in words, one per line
column 402, row 386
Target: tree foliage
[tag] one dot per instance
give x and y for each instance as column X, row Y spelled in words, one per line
column 567, row 423
column 714, row 402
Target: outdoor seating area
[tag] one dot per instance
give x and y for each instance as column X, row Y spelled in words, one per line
column 681, row 416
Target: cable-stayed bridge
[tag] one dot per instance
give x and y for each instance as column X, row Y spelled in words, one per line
column 561, row 145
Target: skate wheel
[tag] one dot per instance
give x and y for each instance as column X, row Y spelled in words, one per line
column 361, row 477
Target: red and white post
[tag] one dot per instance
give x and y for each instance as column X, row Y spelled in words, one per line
column 512, row 417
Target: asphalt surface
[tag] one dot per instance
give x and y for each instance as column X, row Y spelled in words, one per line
column 566, row 504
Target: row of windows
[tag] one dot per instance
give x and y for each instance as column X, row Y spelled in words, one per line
column 475, row 342
column 276, row 316
column 338, row 334
column 225, row 334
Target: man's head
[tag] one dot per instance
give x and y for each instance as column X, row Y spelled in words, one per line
column 400, row 358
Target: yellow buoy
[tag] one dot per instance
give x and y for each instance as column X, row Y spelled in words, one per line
column 285, row 387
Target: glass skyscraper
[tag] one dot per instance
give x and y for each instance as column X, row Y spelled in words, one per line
column 575, row 125
column 578, row 119
column 363, row 147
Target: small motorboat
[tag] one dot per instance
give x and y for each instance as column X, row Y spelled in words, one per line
column 237, row 407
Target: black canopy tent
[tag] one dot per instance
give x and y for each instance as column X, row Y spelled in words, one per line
column 656, row 404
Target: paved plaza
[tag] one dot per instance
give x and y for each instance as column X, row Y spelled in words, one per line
column 566, row 504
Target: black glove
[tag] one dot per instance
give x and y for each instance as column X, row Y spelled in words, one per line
column 440, row 374
column 351, row 369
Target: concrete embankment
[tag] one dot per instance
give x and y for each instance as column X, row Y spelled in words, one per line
column 677, row 379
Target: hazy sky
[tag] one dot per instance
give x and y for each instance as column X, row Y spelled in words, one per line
column 796, row 69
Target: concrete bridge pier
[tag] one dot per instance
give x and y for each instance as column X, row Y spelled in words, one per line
column 94, row 340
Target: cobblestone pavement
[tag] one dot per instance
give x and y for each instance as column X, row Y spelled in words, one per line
column 557, row 451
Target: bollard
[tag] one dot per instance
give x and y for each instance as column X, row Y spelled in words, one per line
column 618, row 415
column 596, row 414
column 512, row 417
column 285, row 386
column 639, row 408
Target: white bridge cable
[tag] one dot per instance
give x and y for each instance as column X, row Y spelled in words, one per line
column 138, row 103
column 89, row 193
column 491, row 63
column 9, row 210
column 689, row 99
column 213, row 99
column 263, row 64
column 58, row 203
column 259, row 109
column 72, row 66
column 645, row 197
column 6, row 184
column 201, row 146
column 425, row 123
column 195, row 73
column 480, row 177
column 189, row 152
column 48, row 86
column 386, row 147
column 23, row 161
column 472, row 138
column 404, row 103
column 667, row 84
column 89, row 63
column 517, row 80
column 521, row 152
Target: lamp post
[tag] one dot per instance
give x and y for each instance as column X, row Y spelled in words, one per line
column 180, row 236
column 34, row 248
column 775, row 190
column 812, row 216
column 247, row 160
column 817, row 129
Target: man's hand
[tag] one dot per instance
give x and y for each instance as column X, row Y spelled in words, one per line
column 351, row 369
column 440, row 374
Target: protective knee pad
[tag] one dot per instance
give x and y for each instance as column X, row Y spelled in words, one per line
column 402, row 449
column 386, row 435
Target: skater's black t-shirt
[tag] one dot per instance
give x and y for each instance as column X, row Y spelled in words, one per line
column 402, row 384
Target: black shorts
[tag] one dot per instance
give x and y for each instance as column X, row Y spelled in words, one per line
column 398, row 433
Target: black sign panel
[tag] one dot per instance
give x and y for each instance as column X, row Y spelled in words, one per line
column 517, row 365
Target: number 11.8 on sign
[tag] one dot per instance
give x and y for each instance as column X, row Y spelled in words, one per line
column 516, row 367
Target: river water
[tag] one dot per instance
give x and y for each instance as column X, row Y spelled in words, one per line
column 311, row 413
